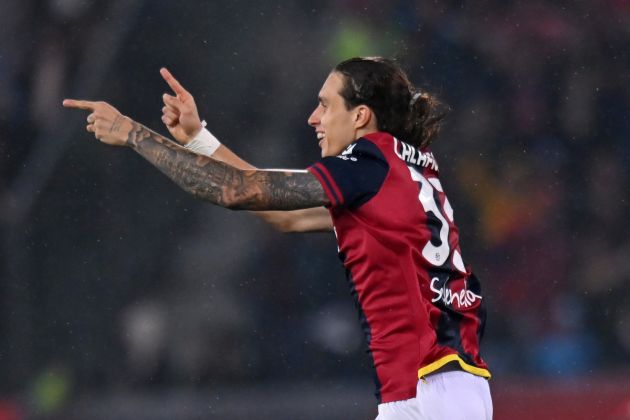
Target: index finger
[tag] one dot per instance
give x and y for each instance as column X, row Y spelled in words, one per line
column 79, row 104
column 172, row 82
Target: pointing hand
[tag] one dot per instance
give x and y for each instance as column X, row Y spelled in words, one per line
column 105, row 121
column 179, row 113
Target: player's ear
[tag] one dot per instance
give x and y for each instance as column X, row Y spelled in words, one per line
column 362, row 116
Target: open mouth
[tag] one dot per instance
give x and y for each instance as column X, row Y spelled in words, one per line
column 321, row 137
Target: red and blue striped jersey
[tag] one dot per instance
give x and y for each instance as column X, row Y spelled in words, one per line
column 420, row 305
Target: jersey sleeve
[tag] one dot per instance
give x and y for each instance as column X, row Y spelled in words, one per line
column 353, row 177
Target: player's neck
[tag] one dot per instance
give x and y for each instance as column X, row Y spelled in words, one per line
column 363, row 131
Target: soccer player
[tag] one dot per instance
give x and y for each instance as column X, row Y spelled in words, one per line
column 378, row 182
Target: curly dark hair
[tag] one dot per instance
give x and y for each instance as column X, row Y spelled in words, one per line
column 402, row 110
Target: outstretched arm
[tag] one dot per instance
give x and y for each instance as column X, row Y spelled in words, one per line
column 202, row 176
column 181, row 118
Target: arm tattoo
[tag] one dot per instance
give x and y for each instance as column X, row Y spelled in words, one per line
column 223, row 184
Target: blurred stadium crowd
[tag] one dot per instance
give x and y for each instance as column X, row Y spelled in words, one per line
column 113, row 276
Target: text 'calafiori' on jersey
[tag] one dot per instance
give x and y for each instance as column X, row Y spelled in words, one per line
column 414, row 156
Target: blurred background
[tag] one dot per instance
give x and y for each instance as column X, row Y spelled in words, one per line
column 122, row 297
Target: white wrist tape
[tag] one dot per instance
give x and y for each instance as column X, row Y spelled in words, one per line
column 204, row 143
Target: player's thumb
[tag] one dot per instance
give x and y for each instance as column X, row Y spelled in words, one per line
column 173, row 102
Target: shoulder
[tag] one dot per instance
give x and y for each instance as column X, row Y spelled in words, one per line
column 353, row 176
column 361, row 149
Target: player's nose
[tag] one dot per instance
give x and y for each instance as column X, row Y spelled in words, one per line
column 314, row 119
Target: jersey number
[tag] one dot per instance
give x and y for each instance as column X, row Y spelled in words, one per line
column 436, row 255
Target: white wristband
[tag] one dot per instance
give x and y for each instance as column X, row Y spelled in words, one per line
column 204, row 143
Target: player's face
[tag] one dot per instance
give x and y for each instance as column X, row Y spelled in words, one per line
column 333, row 123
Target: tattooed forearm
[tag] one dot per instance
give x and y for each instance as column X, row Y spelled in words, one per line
column 223, row 184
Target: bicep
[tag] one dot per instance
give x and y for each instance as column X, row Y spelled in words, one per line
column 315, row 219
column 275, row 190
column 304, row 220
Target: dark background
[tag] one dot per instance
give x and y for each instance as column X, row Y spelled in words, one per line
column 123, row 297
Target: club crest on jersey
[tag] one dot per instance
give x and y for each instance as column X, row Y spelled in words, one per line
column 454, row 294
column 414, row 156
column 345, row 154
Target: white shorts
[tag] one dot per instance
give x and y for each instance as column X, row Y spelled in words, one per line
column 453, row 395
